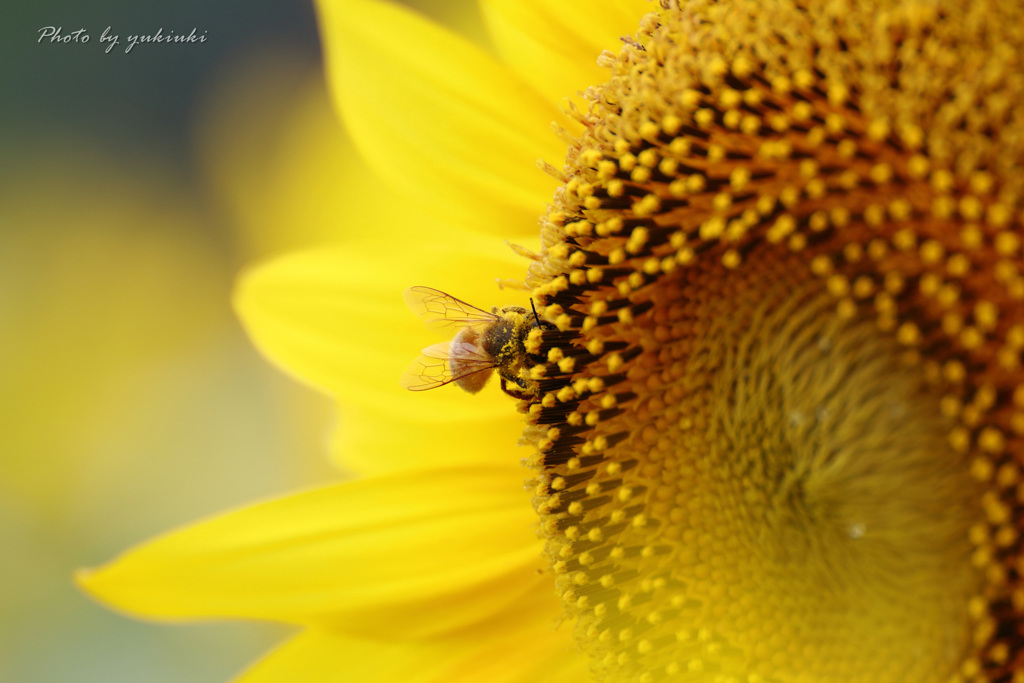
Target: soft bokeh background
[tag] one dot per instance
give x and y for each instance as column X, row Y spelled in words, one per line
column 133, row 187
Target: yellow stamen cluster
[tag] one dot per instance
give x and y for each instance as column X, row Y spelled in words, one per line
column 778, row 435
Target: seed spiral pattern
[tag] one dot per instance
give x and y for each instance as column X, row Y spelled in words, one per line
column 778, row 434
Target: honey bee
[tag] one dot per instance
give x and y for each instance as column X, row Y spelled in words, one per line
column 485, row 342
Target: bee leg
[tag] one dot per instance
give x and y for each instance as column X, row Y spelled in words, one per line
column 516, row 389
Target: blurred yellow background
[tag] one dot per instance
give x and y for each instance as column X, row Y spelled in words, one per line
column 133, row 188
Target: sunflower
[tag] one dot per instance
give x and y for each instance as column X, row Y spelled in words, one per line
column 774, row 411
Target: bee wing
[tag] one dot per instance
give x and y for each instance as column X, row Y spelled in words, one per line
column 433, row 367
column 443, row 311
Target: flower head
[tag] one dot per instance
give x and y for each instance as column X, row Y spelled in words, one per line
column 776, row 422
column 778, row 435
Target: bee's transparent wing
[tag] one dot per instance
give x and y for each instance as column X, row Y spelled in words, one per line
column 433, row 368
column 443, row 311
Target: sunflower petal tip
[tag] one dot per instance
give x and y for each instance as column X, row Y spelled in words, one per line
column 92, row 581
column 81, row 577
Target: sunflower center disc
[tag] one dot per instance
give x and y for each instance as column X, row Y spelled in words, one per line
column 781, row 501
column 776, row 426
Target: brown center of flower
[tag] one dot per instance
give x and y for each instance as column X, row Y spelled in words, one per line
column 778, row 427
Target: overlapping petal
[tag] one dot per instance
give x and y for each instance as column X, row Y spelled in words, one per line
column 408, row 555
column 518, row 646
column 327, row 657
column 439, row 118
column 554, row 45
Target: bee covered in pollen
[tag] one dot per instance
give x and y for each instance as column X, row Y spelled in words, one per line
column 485, row 342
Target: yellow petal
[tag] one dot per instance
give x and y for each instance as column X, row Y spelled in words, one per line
column 337, row 320
column 554, row 45
column 438, row 118
column 519, row 645
column 318, row 656
column 410, row 555
column 367, row 441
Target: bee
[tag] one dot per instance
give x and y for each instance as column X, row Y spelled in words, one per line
column 485, row 342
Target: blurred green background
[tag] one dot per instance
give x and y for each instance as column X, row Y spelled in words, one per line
column 130, row 400
column 133, row 188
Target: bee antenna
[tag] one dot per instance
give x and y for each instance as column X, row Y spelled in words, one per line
column 536, row 318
